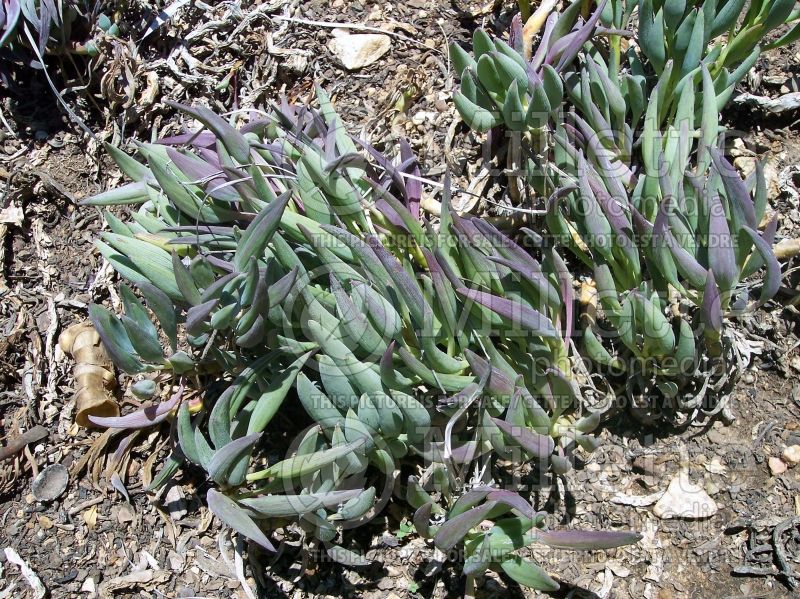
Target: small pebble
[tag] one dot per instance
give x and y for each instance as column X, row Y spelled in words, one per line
column 776, row 466
column 791, row 454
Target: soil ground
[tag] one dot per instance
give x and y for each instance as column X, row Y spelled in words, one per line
column 95, row 541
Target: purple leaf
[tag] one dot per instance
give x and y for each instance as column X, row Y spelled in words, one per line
column 544, row 43
column 12, row 13
column 514, row 501
column 539, row 446
column 459, row 454
column 422, row 518
column 616, row 174
column 351, row 160
column 413, row 187
column 232, row 139
column 453, row 531
column 686, row 263
column 567, row 293
column 613, row 209
column 280, row 289
column 197, row 315
column 497, row 384
column 407, row 288
column 579, row 37
column 237, row 518
column 440, row 262
column 382, row 206
column 226, row 456
column 773, row 281
column 469, row 500
column 740, row 201
column 515, row 33
column 141, row 418
column 503, row 244
column 721, row 254
column 711, row 306
column 586, row 540
column 519, row 314
column 465, row 453
column 535, row 277
column 205, row 174
column 395, row 174
column 222, row 265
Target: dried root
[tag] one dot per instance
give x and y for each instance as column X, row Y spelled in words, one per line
column 93, row 372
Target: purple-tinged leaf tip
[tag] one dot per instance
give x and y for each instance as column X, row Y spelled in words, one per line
column 141, row 418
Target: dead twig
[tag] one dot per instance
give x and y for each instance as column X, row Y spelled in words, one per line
column 14, row 446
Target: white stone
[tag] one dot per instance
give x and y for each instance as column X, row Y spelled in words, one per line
column 792, row 454
column 359, row 50
column 685, row 499
column 776, row 466
column 88, row 586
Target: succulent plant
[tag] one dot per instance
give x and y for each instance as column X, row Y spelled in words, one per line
column 632, row 180
column 284, row 265
column 30, row 29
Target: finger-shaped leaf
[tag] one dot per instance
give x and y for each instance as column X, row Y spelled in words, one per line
column 529, row 574
column 495, row 380
column 721, row 254
column 141, row 331
column 141, row 418
column 539, row 446
column 237, row 518
column 132, row 193
column 357, row 505
column 476, row 117
column 513, row 500
column 407, row 288
column 259, row 233
column 585, row 540
column 422, row 519
column 115, row 339
column 469, row 500
column 317, row 404
column 454, row 530
column 286, row 506
column 272, row 397
column 519, row 314
column 226, row 457
column 711, row 306
column 163, row 308
column 773, row 281
column 234, row 141
column 304, row 464
column 738, row 196
column 461, row 59
column 185, row 281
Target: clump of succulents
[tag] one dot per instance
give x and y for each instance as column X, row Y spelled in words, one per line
column 286, row 266
column 32, row 29
column 632, row 180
